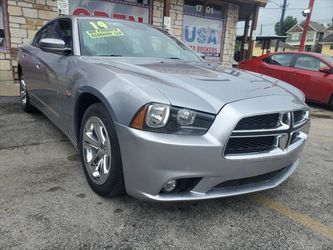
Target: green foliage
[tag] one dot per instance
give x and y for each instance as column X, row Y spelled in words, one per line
column 288, row 22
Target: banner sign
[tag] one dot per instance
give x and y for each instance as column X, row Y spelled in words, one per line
column 129, row 11
column 203, row 36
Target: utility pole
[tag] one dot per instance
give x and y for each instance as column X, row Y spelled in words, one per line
column 308, row 13
column 284, row 7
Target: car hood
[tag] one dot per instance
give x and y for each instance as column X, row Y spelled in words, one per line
column 196, row 85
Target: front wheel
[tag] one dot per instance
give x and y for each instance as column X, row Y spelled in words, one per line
column 100, row 152
column 24, row 97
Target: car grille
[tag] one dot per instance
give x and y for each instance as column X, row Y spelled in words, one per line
column 264, row 133
column 244, row 145
column 249, row 180
column 259, row 122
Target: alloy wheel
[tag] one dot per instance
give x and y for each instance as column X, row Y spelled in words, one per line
column 96, row 148
column 23, row 91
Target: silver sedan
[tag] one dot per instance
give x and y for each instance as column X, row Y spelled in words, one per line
column 151, row 118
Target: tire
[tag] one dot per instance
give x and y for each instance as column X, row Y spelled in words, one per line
column 330, row 104
column 100, row 152
column 24, row 97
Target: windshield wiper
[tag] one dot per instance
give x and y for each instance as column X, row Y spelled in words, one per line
column 112, row 55
column 173, row 58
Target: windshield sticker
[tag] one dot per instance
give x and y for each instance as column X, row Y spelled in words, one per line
column 99, row 25
column 101, row 33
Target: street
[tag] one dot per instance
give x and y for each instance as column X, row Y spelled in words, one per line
column 46, row 203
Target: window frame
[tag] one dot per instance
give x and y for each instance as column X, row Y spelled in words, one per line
column 53, row 23
column 6, row 44
column 290, row 63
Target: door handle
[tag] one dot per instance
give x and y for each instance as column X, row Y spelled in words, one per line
column 37, row 66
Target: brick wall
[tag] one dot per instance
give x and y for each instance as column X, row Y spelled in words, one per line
column 25, row 18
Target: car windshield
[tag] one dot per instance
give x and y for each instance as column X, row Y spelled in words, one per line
column 102, row 37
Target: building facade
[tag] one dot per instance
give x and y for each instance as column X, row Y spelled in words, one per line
column 313, row 38
column 207, row 26
column 327, row 42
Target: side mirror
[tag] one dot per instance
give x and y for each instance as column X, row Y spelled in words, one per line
column 326, row 70
column 53, row 45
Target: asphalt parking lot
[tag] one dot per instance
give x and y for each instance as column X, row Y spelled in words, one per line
column 45, row 202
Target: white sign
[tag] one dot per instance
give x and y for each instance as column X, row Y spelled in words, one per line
column 203, row 36
column 63, row 7
column 167, row 22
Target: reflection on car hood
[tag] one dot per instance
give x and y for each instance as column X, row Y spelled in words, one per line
column 195, row 85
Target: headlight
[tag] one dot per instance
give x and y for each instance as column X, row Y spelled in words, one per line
column 163, row 118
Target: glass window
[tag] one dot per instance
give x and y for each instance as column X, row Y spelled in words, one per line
column 309, row 63
column 63, row 30
column 309, row 36
column 2, row 25
column 202, row 9
column 118, row 38
column 295, row 36
column 45, row 32
column 279, row 59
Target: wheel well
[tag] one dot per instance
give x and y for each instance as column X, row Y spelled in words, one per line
column 19, row 70
column 330, row 103
column 85, row 100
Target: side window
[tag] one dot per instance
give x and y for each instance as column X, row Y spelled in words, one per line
column 43, row 33
column 279, row 59
column 309, row 63
column 63, row 30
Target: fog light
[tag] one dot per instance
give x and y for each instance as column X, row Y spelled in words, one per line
column 170, row 186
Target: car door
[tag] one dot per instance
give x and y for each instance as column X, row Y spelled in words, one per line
column 52, row 70
column 276, row 65
column 41, row 86
column 307, row 77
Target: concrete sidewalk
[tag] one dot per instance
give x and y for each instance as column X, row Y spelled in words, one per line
column 8, row 88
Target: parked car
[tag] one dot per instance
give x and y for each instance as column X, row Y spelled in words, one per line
column 151, row 117
column 310, row 72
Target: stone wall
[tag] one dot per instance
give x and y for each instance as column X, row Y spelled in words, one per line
column 25, row 18
column 230, row 32
column 176, row 14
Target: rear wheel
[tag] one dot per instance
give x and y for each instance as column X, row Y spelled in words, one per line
column 100, row 153
column 24, row 96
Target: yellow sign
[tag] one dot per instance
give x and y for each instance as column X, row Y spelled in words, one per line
column 100, row 33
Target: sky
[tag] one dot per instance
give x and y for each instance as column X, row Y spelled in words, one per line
column 268, row 16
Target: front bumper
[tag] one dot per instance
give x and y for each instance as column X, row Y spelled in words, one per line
column 152, row 159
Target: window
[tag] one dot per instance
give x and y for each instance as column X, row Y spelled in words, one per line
column 2, row 24
column 45, row 32
column 331, row 46
column 309, row 63
column 294, row 36
column 309, row 36
column 63, row 30
column 129, row 39
column 279, row 59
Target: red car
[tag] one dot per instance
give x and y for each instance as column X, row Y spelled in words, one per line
column 310, row 72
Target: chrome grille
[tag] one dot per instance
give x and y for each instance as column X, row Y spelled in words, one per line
column 266, row 133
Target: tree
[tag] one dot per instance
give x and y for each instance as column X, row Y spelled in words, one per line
column 288, row 22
